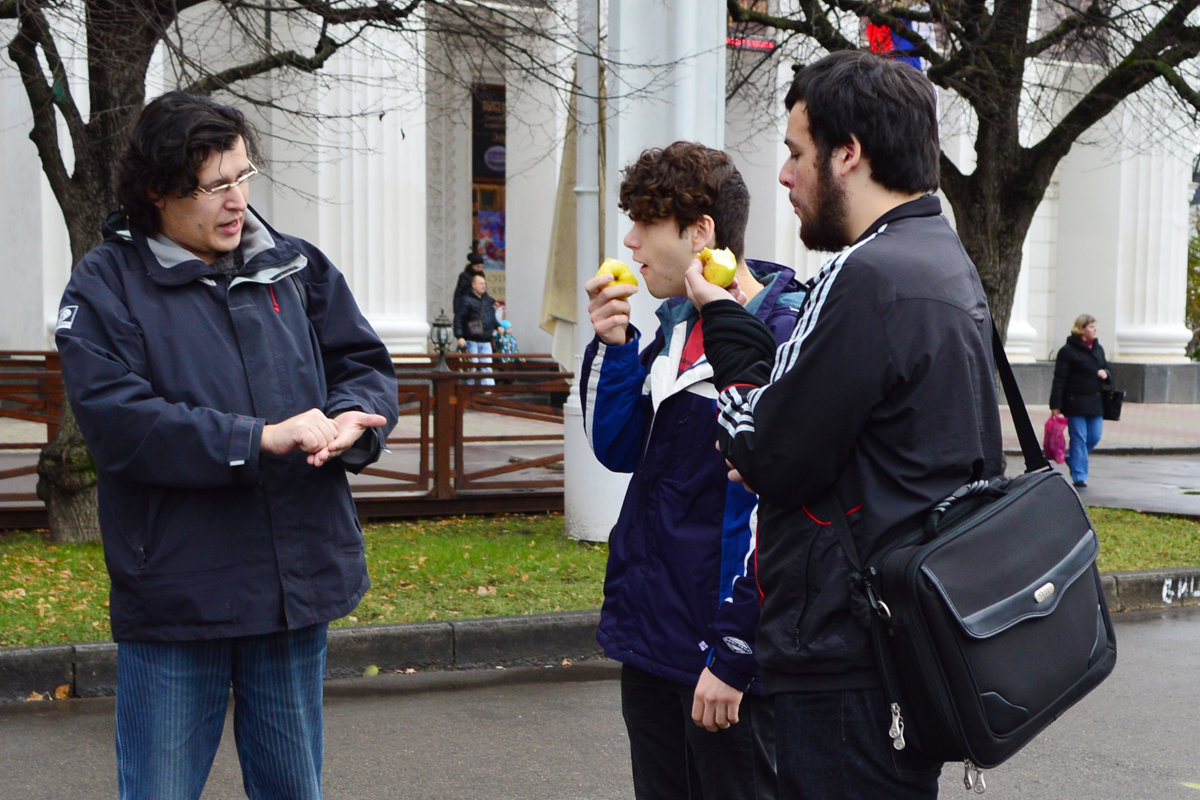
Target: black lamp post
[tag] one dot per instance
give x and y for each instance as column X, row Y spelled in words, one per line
column 441, row 333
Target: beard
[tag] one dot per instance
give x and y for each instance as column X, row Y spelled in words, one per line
column 826, row 229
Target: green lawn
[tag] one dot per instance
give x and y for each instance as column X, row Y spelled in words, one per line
column 455, row 568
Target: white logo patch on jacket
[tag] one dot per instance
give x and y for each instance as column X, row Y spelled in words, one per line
column 738, row 646
column 66, row 317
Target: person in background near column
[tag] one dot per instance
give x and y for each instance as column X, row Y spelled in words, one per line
column 474, row 267
column 475, row 322
column 881, row 403
column 225, row 382
column 1079, row 374
column 680, row 600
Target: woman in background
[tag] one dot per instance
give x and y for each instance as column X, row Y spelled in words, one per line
column 1079, row 372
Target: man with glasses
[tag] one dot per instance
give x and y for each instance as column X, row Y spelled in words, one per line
column 225, row 382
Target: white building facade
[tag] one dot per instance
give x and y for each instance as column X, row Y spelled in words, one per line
column 386, row 175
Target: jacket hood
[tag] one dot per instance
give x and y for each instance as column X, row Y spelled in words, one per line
column 267, row 256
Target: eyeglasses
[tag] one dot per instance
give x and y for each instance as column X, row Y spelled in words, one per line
column 222, row 189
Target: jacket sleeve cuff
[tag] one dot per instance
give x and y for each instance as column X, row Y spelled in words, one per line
column 632, row 339
column 729, row 673
column 363, row 452
column 245, row 442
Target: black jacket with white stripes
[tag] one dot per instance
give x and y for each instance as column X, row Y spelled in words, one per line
column 883, row 400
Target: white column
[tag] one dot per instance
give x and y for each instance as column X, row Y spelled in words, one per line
column 1123, row 247
column 585, row 478
column 1152, row 259
column 682, row 97
column 534, row 131
column 648, row 107
column 372, row 217
column 1026, row 342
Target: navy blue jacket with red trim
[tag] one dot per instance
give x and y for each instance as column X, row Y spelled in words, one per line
column 679, row 593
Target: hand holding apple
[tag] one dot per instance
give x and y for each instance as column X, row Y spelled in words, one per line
column 608, row 300
column 719, row 266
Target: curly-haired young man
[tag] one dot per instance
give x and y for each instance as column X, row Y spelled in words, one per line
column 680, row 602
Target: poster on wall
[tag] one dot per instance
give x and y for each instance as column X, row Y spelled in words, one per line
column 487, row 133
column 489, row 236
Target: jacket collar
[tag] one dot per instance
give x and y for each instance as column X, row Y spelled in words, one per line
column 779, row 287
column 926, row 206
column 168, row 264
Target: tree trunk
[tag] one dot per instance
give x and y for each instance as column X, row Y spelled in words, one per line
column 993, row 210
column 121, row 39
column 67, row 484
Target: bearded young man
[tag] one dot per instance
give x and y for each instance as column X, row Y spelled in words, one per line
column 880, row 404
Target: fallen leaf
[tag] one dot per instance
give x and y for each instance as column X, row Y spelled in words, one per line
column 62, row 692
column 371, row 671
column 485, row 590
column 36, row 696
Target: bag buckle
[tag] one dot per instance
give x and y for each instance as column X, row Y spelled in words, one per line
column 973, row 778
column 873, row 599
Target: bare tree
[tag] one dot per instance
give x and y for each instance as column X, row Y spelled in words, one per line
column 1002, row 61
column 116, row 41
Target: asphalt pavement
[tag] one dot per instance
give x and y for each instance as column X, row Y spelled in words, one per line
column 459, row 712
column 556, row 733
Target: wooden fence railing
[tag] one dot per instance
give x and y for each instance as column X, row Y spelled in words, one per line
column 460, row 446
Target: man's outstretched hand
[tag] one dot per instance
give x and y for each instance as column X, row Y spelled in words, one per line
column 317, row 435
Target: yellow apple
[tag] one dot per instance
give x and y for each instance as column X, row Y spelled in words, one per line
column 719, row 266
column 619, row 270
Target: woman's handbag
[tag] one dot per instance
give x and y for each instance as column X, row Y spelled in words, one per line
column 989, row 621
column 1054, row 438
column 1112, row 398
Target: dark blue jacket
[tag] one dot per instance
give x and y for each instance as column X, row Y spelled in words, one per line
column 680, row 591
column 172, row 370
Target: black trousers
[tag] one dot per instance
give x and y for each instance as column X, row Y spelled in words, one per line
column 675, row 759
column 834, row 746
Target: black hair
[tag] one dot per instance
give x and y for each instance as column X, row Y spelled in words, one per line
column 889, row 106
column 173, row 137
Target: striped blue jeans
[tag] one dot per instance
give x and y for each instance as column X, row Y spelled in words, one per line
column 171, row 703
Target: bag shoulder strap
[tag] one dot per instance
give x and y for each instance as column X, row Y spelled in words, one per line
column 1035, row 459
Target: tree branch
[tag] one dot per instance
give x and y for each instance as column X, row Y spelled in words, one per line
column 1167, row 45
column 1176, row 81
column 44, row 96
column 812, row 23
column 385, row 13
column 326, row 47
column 1093, row 16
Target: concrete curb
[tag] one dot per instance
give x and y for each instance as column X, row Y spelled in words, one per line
column 90, row 670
